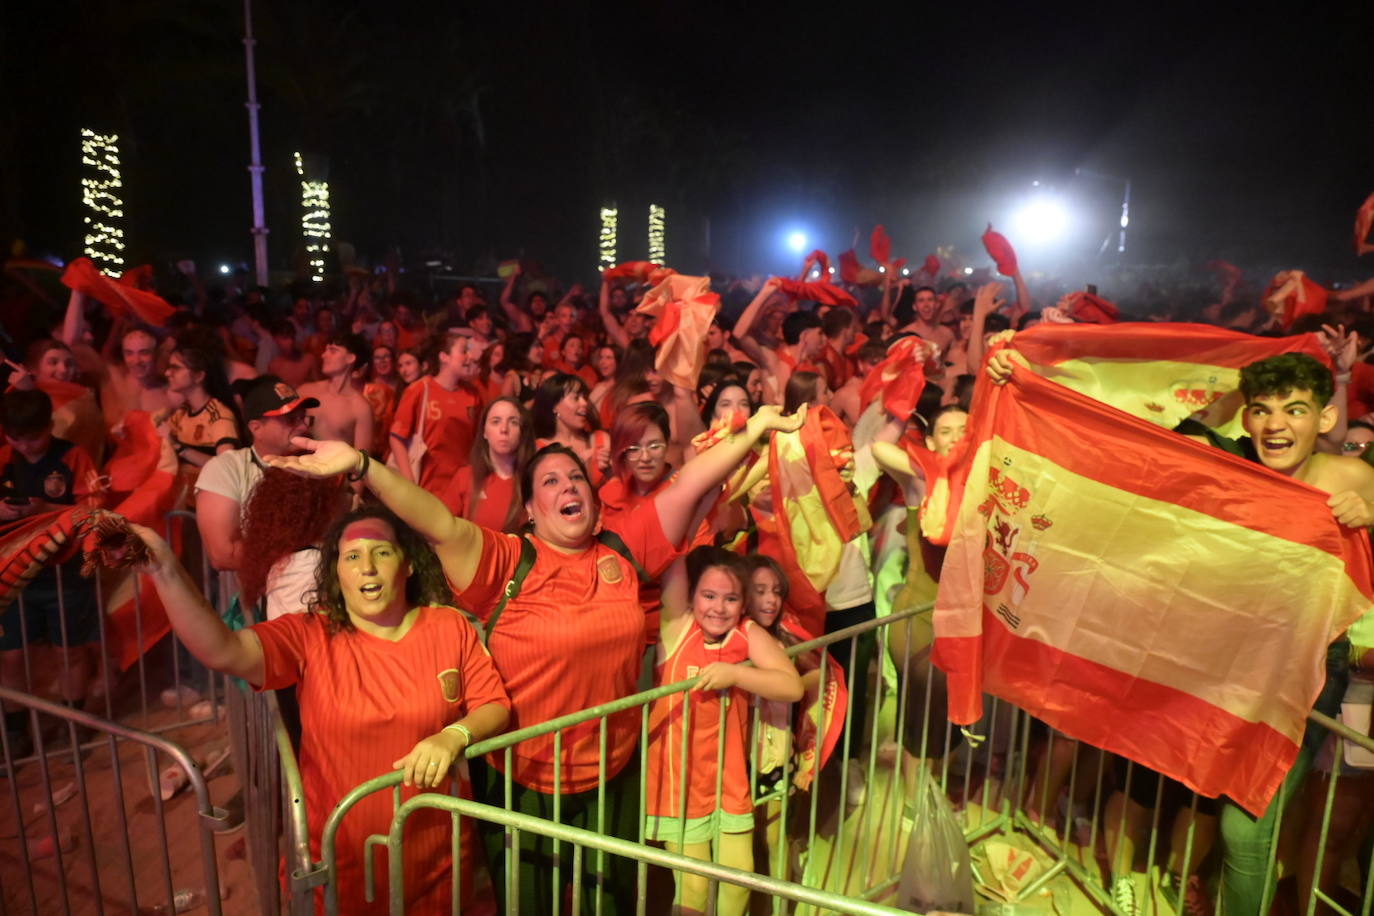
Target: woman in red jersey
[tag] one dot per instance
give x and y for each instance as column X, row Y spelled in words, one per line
column 639, row 462
column 487, row 490
column 572, row 637
column 387, row 678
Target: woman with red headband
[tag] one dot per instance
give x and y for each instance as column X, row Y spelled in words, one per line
column 388, row 678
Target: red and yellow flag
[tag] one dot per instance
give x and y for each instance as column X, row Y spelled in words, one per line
column 816, row 506
column 1163, row 373
column 683, row 308
column 1141, row 591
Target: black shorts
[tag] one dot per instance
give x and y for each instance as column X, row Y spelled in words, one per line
column 74, row 621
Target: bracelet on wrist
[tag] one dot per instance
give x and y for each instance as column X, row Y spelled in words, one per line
column 355, row 476
column 461, row 729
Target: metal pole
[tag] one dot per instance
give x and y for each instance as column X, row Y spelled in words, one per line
column 1125, row 216
column 254, row 149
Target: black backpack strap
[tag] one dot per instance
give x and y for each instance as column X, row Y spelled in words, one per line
column 613, row 541
column 522, row 569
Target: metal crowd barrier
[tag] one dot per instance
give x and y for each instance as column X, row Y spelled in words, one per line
column 1005, row 789
column 81, row 857
column 111, row 822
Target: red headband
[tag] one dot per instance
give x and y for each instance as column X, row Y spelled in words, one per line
column 369, row 529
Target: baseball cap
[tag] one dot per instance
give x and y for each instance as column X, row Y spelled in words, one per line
column 271, row 397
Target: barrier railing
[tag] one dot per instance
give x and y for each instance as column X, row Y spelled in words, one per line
column 106, row 870
column 70, row 600
column 840, row 855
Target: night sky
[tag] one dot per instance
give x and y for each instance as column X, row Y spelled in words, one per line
column 479, row 132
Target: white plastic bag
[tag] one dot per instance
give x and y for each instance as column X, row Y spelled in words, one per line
column 938, row 874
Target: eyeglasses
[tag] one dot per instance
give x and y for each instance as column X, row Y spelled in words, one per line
column 1354, row 446
column 653, row 449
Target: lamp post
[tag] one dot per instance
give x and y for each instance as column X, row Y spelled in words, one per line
column 254, row 150
column 1125, row 205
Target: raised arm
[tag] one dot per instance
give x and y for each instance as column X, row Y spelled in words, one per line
column 709, row 469
column 985, row 302
column 1023, row 296
column 614, row 329
column 457, row 541
column 1359, row 291
column 74, row 322
column 518, row 319
column 752, row 310
column 1342, row 347
column 237, row 653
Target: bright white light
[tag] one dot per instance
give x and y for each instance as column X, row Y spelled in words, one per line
column 797, row 241
column 832, row 270
column 224, row 268
column 968, row 270
column 815, row 273
column 1040, row 221
column 1125, row 221
column 882, row 269
column 906, row 271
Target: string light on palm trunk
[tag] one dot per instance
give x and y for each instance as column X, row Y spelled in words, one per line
column 100, row 190
column 315, row 225
column 610, row 217
column 657, row 221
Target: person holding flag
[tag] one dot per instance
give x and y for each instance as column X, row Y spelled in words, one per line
column 1286, row 407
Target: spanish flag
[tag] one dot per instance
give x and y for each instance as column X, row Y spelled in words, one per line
column 816, row 507
column 683, row 308
column 1163, row 373
column 1141, row 591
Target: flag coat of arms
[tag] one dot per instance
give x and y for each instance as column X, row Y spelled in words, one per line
column 1141, row 591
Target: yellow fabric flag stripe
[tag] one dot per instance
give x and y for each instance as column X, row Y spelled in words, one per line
column 1162, row 592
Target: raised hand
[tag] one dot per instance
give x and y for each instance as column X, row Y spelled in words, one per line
column 160, row 556
column 1342, row 346
column 321, row 459
column 988, row 299
column 771, row 418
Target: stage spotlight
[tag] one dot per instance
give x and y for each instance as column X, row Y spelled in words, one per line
column 224, row 268
column 797, row 241
column 1040, row 221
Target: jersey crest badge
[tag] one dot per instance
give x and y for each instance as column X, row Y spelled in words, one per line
column 55, row 485
column 450, row 684
column 609, row 570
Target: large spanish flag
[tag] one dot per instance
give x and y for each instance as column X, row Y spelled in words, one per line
column 1140, row 591
column 1163, row 373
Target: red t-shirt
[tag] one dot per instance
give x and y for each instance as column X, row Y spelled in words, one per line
column 449, row 427
column 489, row 507
column 365, row 702
column 572, row 638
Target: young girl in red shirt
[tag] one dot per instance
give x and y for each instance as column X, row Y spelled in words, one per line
column 707, row 637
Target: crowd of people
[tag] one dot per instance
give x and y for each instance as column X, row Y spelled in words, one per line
column 365, row 462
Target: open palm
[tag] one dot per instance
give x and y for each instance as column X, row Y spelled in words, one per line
column 320, row 459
